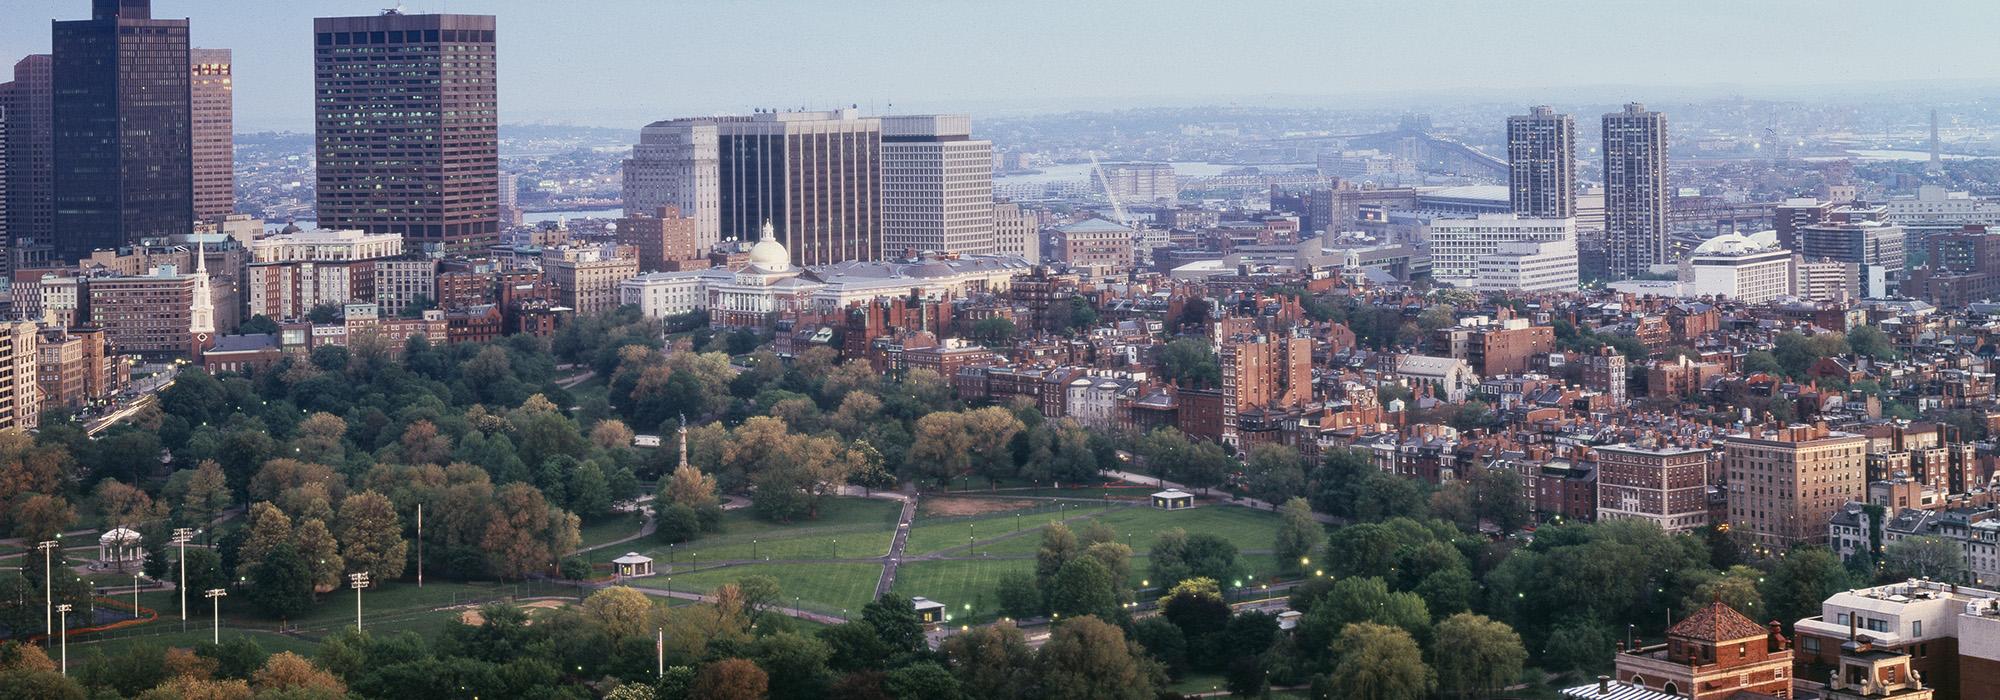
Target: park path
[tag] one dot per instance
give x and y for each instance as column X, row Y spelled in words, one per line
column 1142, row 479
column 647, row 529
column 895, row 557
column 821, row 618
column 570, row 382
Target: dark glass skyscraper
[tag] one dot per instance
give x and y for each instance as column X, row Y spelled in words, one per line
column 30, row 157
column 407, row 119
column 122, row 128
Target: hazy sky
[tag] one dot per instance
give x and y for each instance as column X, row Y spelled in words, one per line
column 624, row 62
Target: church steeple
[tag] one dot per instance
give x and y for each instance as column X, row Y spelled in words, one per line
column 201, row 312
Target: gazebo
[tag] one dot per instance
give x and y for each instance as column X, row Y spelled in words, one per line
column 633, row 564
column 1173, row 499
column 119, row 548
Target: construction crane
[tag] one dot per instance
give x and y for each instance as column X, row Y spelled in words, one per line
column 1117, row 207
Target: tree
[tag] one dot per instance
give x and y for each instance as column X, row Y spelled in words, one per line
column 677, row 523
column 199, row 495
column 1379, row 662
column 1085, row 658
column 730, row 679
column 1299, row 536
column 1476, row 655
column 269, row 528
column 992, row 662
column 1923, row 557
column 1059, row 546
column 422, row 444
column 1190, row 362
column 281, row 583
column 1274, row 473
column 1019, row 595
column 994, row 331
column 1736, row 588
column 1164, row 642
column 371, row 535
column 1803, row 579
column 286, row 671
column 1083, row 586
column 518, row 535
column 621, row 612
column 1761, row 361
column 1367, row 599
column 315, row 542
column 590, row 492
column 896, row 623
column 795, row 664
column 41, row 517
column 924, row 679
column 1869, row 340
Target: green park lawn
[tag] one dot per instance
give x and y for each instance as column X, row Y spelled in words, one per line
column 958, row 583
column 611, row 529
column 820, row 587
column 938, row 533
column 858, row 527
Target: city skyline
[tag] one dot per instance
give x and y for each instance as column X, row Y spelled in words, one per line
column 1083, row 55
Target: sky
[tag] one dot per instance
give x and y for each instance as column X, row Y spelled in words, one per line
column 622, row 63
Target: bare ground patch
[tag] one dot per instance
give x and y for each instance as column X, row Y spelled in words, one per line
column 472, row 617
column 958, row 507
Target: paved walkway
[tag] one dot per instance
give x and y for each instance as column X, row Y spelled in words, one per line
column 821, row 618
column 888, row 579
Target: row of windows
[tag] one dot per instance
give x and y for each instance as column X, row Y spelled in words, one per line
column 428, row 36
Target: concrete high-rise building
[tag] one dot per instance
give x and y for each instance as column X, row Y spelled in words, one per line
column 1541, row 155
column 586, row 279
column 149, row 315
column 1785, row 482
column 1877, row 247
column 937, row 187
column 1262, row 372
column 20, row 397
column 212, row 92
column 674, row 165
column 1635, row 190
column 122, row 129
column 408, row 127
column 1017, row 232
column 30, row 150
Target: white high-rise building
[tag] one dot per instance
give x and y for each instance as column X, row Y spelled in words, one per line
column 1458, row 244
column 937, row 187
column 675, row 164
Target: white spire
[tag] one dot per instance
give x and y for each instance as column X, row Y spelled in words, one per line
column 201, row 313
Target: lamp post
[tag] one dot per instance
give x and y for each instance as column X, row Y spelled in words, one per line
column 48, row 584
column 358, row 581
column 135, row 596
column 64, row 609
column 215, row 604
column 181, row 537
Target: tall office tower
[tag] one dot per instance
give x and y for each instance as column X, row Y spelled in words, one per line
column 1017, row 232
column 212, row 92
column 816, row 176
column 937, row 186
column 408, row 122
column 31, row 210
column 122, row 128
column 6, row 89
column 674, row 165
column 1541, row 158
column 1635, row 190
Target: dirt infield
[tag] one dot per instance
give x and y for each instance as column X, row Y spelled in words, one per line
column 472, row 616
column 956, row 507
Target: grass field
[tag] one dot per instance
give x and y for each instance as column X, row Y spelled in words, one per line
column 860, row 527
column 826, row 587
column 611, row 529
column 932, row 534
column 958, row 583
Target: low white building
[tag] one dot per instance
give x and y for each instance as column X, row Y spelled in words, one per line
column 1748, row 269
column 1457, row 244
column 1530, row 266
column 665, row 294
column 1450, row 378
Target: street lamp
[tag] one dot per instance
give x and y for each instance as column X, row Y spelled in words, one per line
column 358, row 581
column 64, row 609
column 48, row 584
column 215, row 601
column 181, row 537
